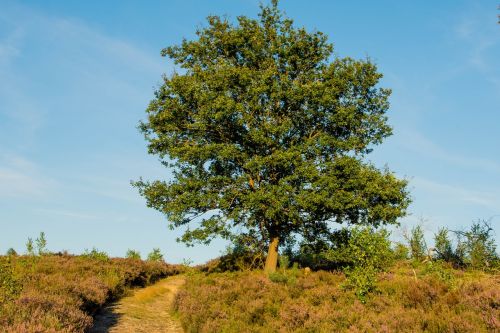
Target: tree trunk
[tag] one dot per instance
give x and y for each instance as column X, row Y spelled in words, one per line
column 272, row 255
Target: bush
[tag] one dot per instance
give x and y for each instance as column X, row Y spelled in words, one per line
column 132, row 254
column 401, row 252
column 476, row 247
column 41, row 244
column 366, row 252
column 155, row 255
column 360, row 279
column 96, row 254
column 416, row 242
column 11, row 252
column 30, row 247
column 9, row 286
column 363, row 247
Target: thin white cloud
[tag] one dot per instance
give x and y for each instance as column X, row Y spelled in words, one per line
column 414, row 141
column 88, row 60
column 20, row 178
column 486, row 199
column 478, row 30
column 66, row 213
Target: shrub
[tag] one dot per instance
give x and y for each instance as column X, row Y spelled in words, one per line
column 366, row 252
column 416, row 242
column 30, row 248
column 401, row 252
column 363, row 247
column 9, row 286
column 132, row 254
column 96, row 254
column 11, row 252
column 360, row 279
column 476, row 247
column 155, row 255
column 443, row 247
column 41, row 244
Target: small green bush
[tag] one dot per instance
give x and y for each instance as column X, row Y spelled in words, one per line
column 401, row 252
column 30, row 247
column 364, row 247
column 366, row 252
column 281, row 277
column 416, row 242
column 41, row 244
column 476, row 247
column 360, row 279
column 132, row 254
column 9, row 286
column 155, row 255
column 96, row 254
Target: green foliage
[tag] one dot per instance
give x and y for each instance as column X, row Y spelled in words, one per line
column 155, row 255
column 30, row 248
column 362, row 280
column 187, row 262
column 132, row 254
column 363, row 252
column 41, row 244
column 11, row 252
column 363, row 247
column 284, row 262
column 443, row 246
column 401, row 252
column 477, row 246
column 285, row 274
column 9, row 286
column 416, row 242
column 442, row 271
column 266, row 130
column 96, row 254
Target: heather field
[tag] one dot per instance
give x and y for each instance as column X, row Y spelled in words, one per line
column 430, row 297
column 61, row 293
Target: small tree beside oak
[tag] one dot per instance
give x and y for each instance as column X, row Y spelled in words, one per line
column 266, row 133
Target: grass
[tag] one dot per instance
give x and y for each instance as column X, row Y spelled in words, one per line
column 61, row 293
column 426, row 298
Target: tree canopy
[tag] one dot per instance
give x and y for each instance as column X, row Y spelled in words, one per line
column 266, row 130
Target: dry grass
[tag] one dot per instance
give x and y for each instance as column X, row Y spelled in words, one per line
column 433, row 299
column 60, row 293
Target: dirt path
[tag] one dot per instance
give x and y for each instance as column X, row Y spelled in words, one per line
column 147, row 310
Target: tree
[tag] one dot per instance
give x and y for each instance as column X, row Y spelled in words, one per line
column 132, row 254
column 266, row 134
column 155, row 255
column 41, row 244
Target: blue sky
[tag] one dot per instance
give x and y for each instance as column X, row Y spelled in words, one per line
column 76, row 77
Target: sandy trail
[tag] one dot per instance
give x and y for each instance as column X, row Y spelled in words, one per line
column 146, row 310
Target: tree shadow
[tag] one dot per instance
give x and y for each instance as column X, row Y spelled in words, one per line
column 105, row 319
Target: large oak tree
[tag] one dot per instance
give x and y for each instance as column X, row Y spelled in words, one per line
column 265, row 130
